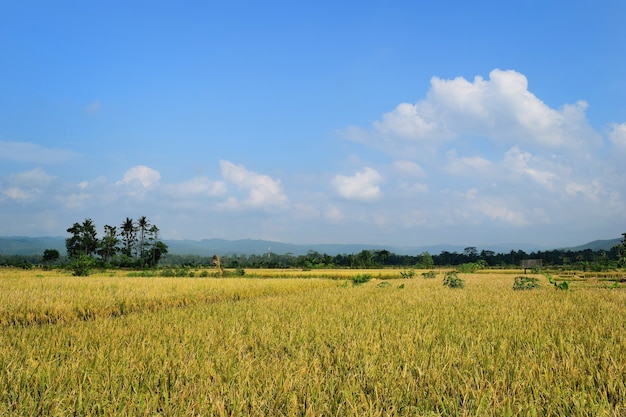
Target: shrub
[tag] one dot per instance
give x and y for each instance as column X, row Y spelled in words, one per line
column 407, row 274
column 429, row 274
column 452, row 280
column 361, row 279
column 525, row 283
column 471, row 267
column 563, row 285
column 81, row 266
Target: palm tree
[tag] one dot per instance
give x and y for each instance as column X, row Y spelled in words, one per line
column 143, row 225
column 128, row 233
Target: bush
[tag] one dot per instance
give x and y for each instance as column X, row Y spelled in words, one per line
column 429, row 274
column 452, row 280
column 525, row 283
column 81, row 266
column 407, row 274
column 361, row 279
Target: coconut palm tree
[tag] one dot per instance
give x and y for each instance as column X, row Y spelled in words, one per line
column 143, row 224
column 128, row 232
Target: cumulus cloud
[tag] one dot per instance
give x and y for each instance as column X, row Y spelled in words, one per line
column 518, row 163
column 361, row 186
column 141, row 175
column 33, row 153
column 261, row 190
column 500, row 108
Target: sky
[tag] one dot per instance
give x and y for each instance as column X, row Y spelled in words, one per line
column 384, row 122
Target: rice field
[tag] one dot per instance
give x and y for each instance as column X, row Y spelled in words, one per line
column 275, row 344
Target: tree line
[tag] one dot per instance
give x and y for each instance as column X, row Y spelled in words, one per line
column 586, row 260
column 136, row 244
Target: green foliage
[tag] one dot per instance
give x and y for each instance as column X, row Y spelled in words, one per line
column 536, row 269
column 401, row 286
column 383, row 284
column 83, row 240
column 82, row 266
column 429, row 274
column 452, row 280
column 563, row 285
column 50, row 256
column 471, row 267
column 361, row 279
column 425, row 260
column 407, row 274
column 240, row 272
column 525, row 283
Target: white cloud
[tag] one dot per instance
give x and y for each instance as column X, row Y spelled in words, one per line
column 27, row 186
column 408, row 168
column 361, row 186
column 33, row 153
column 617, row 135
column 500, row 108
column 147, row 177
column 17, row 194
column 467, row 165
column 333, row 214
column 518, row 163
column 196, row 186
column 262, row 190
column 498, row 209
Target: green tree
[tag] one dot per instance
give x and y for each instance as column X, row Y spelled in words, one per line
column 142, row 225
column 83, row 240
column 128, row 232
column 383, row 256
column 50, row 256
column 109, row 245
column 426, row 260
column 154, row 248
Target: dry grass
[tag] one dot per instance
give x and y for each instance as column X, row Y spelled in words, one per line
column 311, row 347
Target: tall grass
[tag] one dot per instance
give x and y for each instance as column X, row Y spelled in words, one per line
column 314, row 347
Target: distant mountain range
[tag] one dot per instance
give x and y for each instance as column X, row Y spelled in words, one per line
column 19, row 245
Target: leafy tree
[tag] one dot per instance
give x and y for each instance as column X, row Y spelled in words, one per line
column 382, row 256
column 50, row 256
column 426, row 261
column 154, row 249
column 109, row 245
column 471, row 253
column 83, row 240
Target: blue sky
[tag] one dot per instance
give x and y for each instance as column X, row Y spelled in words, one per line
column 383, row 122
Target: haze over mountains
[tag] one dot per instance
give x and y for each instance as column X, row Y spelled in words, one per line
column 19, row 245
